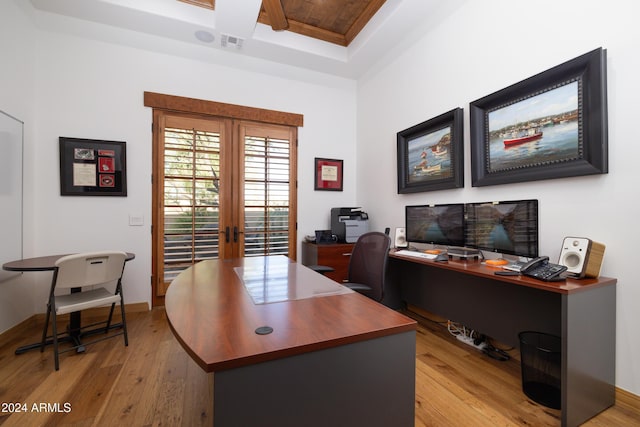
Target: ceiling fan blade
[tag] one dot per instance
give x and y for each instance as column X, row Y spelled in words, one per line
column 275, row 12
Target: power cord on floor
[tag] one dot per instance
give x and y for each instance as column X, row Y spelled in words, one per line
column 480, row 341
column 495, row 353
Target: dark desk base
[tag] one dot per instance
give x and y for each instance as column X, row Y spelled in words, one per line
column 368, row 383
column 585, row 321
column 480, row 303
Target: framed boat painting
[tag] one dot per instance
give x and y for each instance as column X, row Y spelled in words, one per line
column 430, row 154
column 551, row 125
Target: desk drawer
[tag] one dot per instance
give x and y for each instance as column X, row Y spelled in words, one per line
column 338, row 258
column 335, row 256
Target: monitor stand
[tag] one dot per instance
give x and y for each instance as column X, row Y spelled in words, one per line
column 463, row 253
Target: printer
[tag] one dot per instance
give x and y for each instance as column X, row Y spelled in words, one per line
column 349, row 223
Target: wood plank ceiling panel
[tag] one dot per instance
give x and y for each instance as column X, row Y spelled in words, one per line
column 334, row 21
column 209, row 4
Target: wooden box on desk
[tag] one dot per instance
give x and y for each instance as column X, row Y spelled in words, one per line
column 334, row 255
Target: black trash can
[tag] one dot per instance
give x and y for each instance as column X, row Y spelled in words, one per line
column 541, row 363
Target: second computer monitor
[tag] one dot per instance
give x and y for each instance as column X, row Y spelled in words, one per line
column 441, row 225
column 509, row 227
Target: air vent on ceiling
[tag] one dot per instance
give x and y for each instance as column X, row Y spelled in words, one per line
column 228, row 41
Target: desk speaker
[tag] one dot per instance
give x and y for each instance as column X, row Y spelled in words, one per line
column 400, row 238
column 581, row 256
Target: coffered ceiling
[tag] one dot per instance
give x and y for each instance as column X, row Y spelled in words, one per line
column 338, row 37
column 334, row 21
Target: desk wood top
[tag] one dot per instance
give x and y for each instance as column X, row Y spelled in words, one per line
column 213, row 316
column 478, row 268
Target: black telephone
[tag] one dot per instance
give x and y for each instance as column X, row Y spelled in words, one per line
column 541, row 268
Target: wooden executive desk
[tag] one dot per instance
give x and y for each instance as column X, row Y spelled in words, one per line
column 334, row 358
column 581, row 312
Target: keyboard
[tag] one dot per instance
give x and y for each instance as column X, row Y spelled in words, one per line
column 415, row 254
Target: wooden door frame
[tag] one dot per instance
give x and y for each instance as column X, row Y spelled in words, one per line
column 162, row 103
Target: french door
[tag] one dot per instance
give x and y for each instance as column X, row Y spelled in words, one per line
column 222, row 188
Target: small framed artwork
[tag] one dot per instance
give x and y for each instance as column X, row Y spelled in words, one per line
column 551, row 125
column 90, row 167
column 328, row 174
column 430, row 154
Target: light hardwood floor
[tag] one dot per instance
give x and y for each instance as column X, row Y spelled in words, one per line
column 153, row 382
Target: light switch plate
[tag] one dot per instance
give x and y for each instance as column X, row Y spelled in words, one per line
column 136, row 220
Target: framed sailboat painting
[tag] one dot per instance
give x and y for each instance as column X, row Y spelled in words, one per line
column 430, row 154
column 551, row 125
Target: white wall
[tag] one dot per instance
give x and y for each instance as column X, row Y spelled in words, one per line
column 481, row 48
column 17, row 44
column 83, row 87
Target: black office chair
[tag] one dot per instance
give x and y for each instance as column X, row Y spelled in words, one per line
column 367, row 265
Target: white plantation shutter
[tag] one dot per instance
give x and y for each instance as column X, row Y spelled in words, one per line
column 266, row 196
column 191, row 199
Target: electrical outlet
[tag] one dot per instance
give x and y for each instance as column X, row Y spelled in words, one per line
column 468, row 340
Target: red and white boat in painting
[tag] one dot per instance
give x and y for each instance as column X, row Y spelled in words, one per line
column 529, row 135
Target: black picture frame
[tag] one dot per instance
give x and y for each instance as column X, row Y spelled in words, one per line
column 508, row 142
column 91, row 167
column 328, row 174
column 431, row 154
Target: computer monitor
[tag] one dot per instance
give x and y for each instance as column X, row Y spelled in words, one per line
column 508, row 227
column 436, row 224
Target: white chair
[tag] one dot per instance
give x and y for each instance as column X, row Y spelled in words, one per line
column 76, row 272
